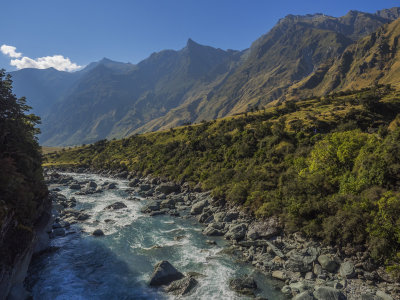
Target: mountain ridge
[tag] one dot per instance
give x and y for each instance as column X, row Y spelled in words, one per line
column 110, row 99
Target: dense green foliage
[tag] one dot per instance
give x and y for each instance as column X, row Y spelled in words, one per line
column 328, row 167
column 22, row 189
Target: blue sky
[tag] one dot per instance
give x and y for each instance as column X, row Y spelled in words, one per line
column 129, row 31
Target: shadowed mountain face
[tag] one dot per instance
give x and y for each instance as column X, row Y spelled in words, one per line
column 109, row 99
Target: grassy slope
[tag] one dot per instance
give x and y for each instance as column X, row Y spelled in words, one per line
column 322, row 165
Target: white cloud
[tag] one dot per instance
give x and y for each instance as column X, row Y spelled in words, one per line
column 57, row 62
column 10, row 51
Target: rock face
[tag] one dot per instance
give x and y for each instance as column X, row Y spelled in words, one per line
column 182, row 287
column 244, row 285
column 164, row 273
column 116, row 205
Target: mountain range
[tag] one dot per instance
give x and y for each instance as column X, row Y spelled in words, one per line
column 300, row 56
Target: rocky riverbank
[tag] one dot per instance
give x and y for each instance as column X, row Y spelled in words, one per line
column 307, row 269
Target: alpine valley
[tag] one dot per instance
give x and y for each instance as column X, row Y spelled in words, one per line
column 266, row 173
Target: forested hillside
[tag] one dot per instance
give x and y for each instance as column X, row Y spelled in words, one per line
column 22, row 190
column 327, row 166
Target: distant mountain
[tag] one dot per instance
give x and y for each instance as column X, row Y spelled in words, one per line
column 110, row 99
column 373, row 60
column 42, row 87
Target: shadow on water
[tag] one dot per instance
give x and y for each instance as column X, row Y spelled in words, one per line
column 93, row 272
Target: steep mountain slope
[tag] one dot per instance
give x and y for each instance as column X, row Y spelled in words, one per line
column 292, row 50
column 374, row 59
column 110, row 101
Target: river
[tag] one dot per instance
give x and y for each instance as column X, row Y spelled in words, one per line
column 119, row 264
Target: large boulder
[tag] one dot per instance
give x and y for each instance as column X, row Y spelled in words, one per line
column 243, row 285
column 347, row 269
column 198, row 207
column 236, row 232
column 301, row 261
column 328, row 263
column 328, row 293
column 116, row 205
column 164, row 273
column 264, row 230
column 98, row 232
column 168, row 188
column 153, row 205
column 182, row 287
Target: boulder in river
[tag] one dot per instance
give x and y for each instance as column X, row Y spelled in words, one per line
column 98, row 232
column 182, row 287
column 243, row 285
column 164, row 273
column 116, row 205
column 75, row 186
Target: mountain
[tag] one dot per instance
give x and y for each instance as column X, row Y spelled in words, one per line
column 112, row 100
column 42, row 87
column 373, row 60
column 109, row 99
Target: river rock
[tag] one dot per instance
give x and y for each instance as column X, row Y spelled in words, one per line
column 210, row 231
column 236, row 232
column 116, row 205
column 75, row 186
column 243, row 285
column 167, row 203
column 264, row 230
column 134, row 182
column 122, row 174
column 304, row 296
column 347, row 269
column 383, row 296
column 110, row 186
column 164, row 273
column 91, row 185
column 327, row 263
column 144, row 187
column 168, row 188
column 153, row 205
column 182, row 287
column 278, row 274
column 98, row 232
column 198, row 207
column 328, row 293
